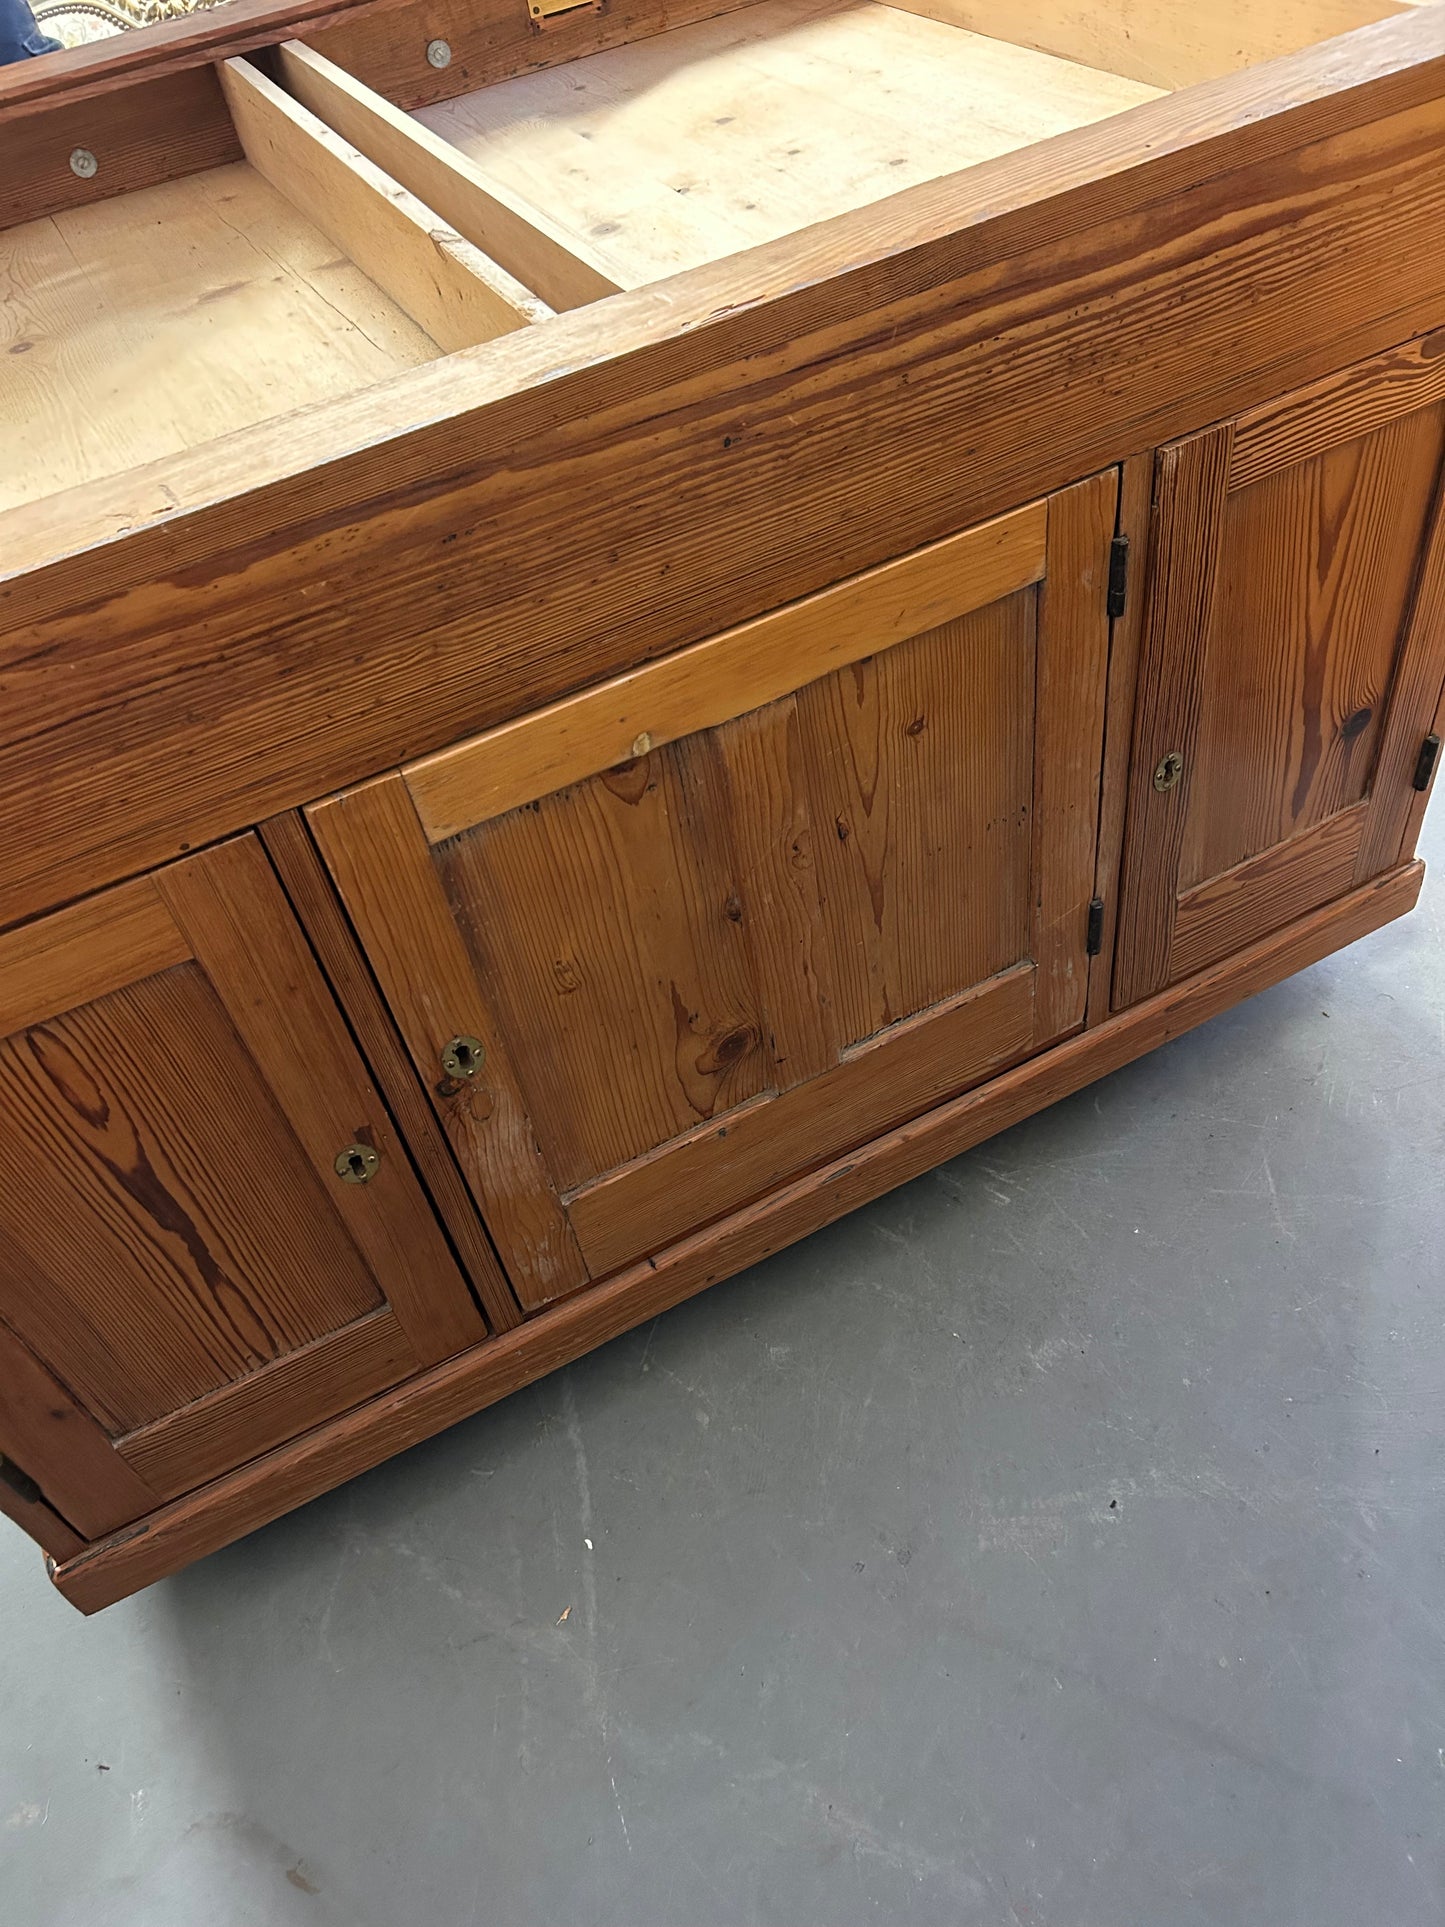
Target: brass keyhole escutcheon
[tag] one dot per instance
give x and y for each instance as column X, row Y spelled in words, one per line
column 1169, row 770
column 463, row 1057
column 357, row 1164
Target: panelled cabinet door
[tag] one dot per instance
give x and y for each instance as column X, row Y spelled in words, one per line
column 700, row 928
column 1293, row 655
column 185, row 1278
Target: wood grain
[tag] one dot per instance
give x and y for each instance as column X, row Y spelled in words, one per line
column 1340, row 407
column 378, row 855
column 1316, row 570
column 136, row 1262
column 919, row 763
column 692, row 145
column 1136, row 487
column 639, row 492
column 1416, row 693
column 607, row 920
column 78, row 954
column 313, row 898
column 198, row 1442
column 1072, row 686
column 1159, row 41
column 118, row 127
column 1189, row 506
column 1280, row 885
column 184, row 1531
column 447, row 286
column 904, row 1070
column 739, row 670
column 46, row 1431
column 141, row 327
column 777, row 832
column 236, row 919
column 524, row 240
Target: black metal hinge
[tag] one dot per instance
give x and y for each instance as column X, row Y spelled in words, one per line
column 1094, row 939
column 1118, row 575
column 20, row 1483
column 1429, row 756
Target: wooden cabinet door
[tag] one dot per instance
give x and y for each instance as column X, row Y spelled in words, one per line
column 743, row 908
column 1293, row 656
column 185, row 1279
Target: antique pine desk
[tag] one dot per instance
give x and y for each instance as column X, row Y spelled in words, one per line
column 625, row 624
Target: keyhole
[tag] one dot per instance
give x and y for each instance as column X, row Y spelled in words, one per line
column 463, row 1057
column 356, row 1164
column 1170, row 769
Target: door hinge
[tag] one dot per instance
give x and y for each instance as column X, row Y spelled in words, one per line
column 1425, row 767
column 1118, row 575
column 1094, row 937
column 20, row 1483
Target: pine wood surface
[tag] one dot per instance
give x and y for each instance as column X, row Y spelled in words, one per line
column 179, row 1250
column 853, row 463
column 186, row 1530
column 689, row 146
column 313, row 897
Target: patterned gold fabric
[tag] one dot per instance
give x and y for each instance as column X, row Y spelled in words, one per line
column 74, row 22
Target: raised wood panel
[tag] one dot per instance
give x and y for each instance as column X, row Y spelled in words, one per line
column 1293, row 658
column 200, row 1441
column 608, row 920
column 911, row 1065
column 176, row 1249
column 1281, row 884
column 734, row 951
column 238, row 1503
column 1317, row 565
column 135, row 1257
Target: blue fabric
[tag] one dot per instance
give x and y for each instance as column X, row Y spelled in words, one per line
column 20, row 37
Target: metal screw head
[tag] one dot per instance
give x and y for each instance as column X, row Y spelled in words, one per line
column 84, row 164
column 463, row 1057
column 438, row 53
column 1169, row 770
column 357, row 1164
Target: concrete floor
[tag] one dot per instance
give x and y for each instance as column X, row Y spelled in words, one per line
column 1059, row 1540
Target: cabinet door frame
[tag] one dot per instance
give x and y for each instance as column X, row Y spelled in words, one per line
column 378, row 839
column 1166, row 934
column 223, row 910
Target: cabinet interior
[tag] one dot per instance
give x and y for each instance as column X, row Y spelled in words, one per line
column 357, row 240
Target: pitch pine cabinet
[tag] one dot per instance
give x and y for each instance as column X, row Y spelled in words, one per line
column 621, row 628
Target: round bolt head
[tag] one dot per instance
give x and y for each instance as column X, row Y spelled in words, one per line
column 438, row 53
column 84, row 164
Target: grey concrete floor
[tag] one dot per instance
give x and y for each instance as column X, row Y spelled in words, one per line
column 1057, row 1541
